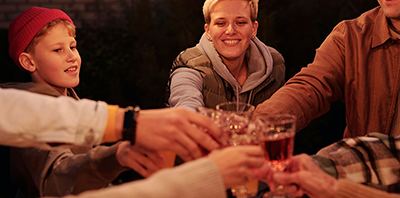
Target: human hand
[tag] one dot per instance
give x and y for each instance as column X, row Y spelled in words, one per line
column 140, row 160
column 301, row 176
column 236, row 163
column 177, row 130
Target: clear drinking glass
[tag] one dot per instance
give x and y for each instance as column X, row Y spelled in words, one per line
column 234, row 120
column 215, row 116
column 170, row 155
column 276, row 136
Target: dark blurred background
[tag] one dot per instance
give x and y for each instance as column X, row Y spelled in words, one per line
column 126, row 59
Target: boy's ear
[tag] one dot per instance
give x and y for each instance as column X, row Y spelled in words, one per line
column 26, row 62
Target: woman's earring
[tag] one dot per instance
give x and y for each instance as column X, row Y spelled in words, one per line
column 209, row 38
column 252, row 37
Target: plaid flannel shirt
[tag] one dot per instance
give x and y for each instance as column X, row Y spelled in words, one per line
column 372, row 160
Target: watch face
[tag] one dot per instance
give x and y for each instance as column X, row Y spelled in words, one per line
column 128, row 118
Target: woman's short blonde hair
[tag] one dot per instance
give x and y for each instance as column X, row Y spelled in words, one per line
column 209, row 4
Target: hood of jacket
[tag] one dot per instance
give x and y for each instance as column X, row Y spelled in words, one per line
column 259, row 59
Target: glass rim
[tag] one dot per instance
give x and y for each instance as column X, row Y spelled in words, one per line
column 285, row 116
column 218, row 106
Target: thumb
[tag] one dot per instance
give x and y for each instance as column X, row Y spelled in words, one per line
column 283, row 178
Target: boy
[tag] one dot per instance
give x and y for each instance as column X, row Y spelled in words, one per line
column 42, row 42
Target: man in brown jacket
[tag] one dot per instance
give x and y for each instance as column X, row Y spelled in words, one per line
column 358, row 64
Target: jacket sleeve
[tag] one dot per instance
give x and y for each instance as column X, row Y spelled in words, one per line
column 186, row 89
column 310, row 92
column 34, row 120
column 372, row 161
column 67, row 171
column 196, row 179
column 348, row 189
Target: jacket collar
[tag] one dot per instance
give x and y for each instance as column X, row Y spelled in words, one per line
column 380, row 30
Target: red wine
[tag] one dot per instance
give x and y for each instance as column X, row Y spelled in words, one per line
column 277, row 151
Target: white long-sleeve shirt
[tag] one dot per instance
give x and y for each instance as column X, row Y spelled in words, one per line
column 196, row 179
column 33, row 120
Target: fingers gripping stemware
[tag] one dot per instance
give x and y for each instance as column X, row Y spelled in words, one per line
column 276, row 135
column 234, row 120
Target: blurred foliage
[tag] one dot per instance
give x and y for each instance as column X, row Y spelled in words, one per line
column 127, row 57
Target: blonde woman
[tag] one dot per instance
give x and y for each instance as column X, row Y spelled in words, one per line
column 229, row 63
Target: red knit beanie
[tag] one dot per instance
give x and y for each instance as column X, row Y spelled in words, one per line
column 25, row 27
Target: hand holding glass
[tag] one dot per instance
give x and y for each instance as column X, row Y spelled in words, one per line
column 234, row 120
column 276, row 135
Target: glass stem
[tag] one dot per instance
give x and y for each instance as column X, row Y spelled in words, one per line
column 241, row 191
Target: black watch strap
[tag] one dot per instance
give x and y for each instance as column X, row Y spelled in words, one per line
column 129, row 131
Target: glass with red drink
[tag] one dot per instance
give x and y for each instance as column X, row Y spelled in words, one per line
column 276, row 135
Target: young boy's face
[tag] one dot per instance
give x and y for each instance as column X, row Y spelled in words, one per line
column 57, row 59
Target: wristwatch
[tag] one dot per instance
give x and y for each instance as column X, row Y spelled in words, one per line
column 129, row 131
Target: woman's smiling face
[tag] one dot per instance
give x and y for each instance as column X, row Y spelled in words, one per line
column 231, row 28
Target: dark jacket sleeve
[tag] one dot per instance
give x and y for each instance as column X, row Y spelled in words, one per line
column 68, row 171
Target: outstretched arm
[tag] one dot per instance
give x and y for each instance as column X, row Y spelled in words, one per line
column 186, row 89
column 205, row 177
column 34, row 120
column 304, row 176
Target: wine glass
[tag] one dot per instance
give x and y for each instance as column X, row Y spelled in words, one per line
column 215, row 116
column 234, row 119
column 276, row 135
